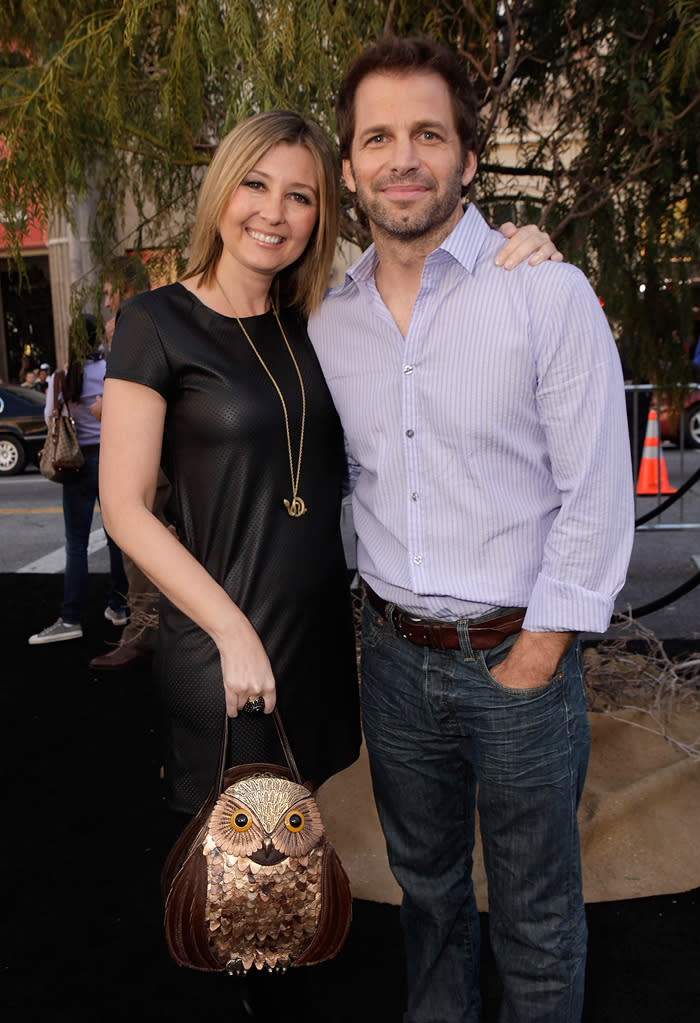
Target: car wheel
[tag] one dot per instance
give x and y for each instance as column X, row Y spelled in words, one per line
column 692, row 425
column 12, row 457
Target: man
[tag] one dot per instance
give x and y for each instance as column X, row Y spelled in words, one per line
column 485, row 416
column 124, row 277
column 42, row 382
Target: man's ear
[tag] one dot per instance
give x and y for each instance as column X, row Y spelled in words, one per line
column 470, row 164
column 348, row 176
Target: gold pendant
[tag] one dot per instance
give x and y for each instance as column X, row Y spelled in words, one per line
column 296, row 508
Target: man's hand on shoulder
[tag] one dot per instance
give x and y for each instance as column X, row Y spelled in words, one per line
column 523, row 242
column 533, row 659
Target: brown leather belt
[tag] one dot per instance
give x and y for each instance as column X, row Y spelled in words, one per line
column 90, row 449
column 444, row 635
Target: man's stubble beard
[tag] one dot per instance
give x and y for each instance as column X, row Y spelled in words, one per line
column 404, row 225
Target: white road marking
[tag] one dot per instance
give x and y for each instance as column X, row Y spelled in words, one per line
column 56, row 561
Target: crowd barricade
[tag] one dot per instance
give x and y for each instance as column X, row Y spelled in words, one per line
column 654, row 417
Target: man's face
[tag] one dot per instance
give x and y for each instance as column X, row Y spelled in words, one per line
column 406, row 166
column 112, row 297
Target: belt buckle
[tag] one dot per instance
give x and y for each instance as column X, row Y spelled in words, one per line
column 399, row 619
column 421, row 623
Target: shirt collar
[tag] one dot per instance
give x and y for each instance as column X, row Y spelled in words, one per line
column 466, row 240
column 463, row 243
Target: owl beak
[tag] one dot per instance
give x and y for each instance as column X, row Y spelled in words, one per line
column 267, row 855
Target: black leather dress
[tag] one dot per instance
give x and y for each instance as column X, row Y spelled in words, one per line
column 225, row 454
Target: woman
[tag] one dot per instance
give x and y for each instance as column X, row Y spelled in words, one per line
column 217, row 371
column 253, row 594
column 81, row 387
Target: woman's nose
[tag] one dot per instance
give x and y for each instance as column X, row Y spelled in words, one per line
column 273, row 208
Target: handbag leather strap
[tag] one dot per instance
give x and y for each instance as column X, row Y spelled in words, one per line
column 284, row 743
column 59, row 379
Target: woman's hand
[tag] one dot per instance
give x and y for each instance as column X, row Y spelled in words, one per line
column 523, row 242
column 246, row 669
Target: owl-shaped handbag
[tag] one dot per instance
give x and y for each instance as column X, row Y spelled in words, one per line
column 252, row 881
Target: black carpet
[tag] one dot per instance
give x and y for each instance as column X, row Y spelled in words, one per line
column 85, row 832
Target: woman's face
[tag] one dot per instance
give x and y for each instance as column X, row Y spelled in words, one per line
column 270, row 217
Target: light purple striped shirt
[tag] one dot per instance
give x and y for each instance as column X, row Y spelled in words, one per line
column 492, row 457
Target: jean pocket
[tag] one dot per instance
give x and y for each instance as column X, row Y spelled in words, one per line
column 374, row 627
column 486, row 659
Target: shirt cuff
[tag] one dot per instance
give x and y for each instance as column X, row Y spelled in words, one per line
column 557, row 606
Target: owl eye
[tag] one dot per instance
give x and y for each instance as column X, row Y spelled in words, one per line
column 240, row 821
column 294, row 821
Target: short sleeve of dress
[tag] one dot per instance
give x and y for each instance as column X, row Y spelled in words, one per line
column 138, row 352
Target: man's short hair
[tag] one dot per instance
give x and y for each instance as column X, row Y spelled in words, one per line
column 393, row 55
column 127, row 274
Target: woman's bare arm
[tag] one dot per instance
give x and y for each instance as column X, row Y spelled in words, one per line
column 133, row 417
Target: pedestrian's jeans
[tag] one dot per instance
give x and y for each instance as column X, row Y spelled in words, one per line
column 78, row 505
column 442, row 734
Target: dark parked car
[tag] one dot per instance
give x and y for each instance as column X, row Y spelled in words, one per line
column 671, row 421
column 22, row 427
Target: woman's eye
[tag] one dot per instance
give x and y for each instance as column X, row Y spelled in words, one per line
column 255, row 185
column 300, row 197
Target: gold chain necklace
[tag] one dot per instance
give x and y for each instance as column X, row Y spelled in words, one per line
column 296, row 506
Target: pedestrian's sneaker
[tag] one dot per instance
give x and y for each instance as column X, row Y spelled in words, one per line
column 57, row 632
column 116, row 617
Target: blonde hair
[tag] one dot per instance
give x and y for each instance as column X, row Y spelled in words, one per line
column 304, row 282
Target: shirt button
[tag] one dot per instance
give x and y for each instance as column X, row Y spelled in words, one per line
column 408, row 370
column 417, row 559
column 410, row 433
column 414, row 496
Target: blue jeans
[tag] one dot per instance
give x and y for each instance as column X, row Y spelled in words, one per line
column 443, row 736
column 78, row 505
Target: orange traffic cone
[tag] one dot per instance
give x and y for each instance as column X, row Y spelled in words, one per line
column 653, row 478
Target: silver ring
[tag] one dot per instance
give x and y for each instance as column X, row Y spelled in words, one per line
column 252, row 706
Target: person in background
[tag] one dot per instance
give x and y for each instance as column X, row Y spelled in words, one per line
column 79, row 387
column 42, row 382
column 484, row 414
column 30, row 379
column 125, row 277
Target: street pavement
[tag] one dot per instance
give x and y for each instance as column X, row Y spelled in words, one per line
column 666, row 551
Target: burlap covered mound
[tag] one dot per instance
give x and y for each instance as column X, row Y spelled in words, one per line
column 640, row 813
